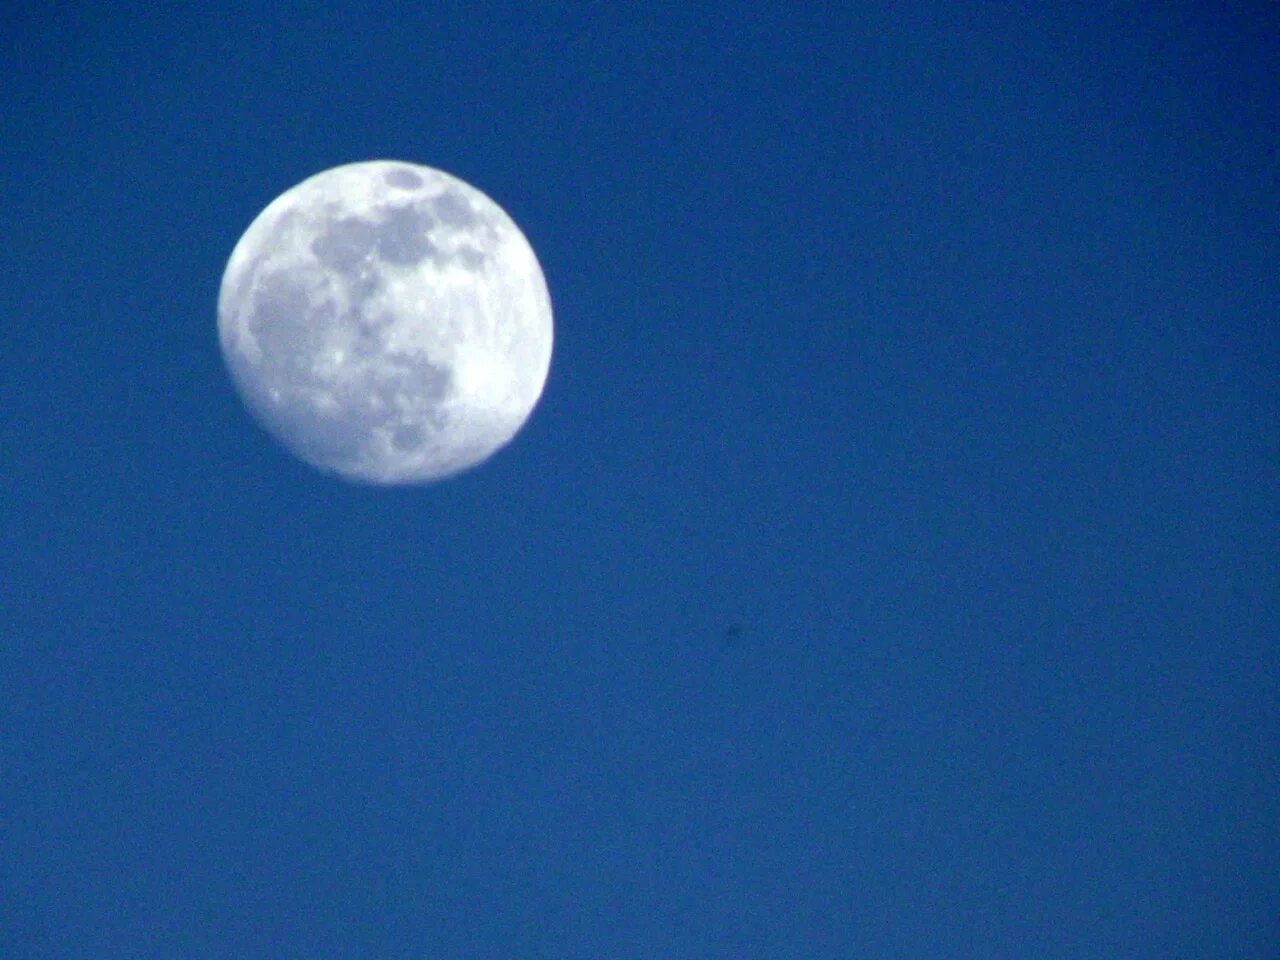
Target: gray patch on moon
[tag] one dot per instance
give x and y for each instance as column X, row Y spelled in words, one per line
column 403, row 235
column 455, row 210
column 345, row 244
column 288, row 325
column 361, row 287
column 429, row 381
column 369, row 330
column 471, row 258
column 398, row 376
column 407, row 436
column 404, row 179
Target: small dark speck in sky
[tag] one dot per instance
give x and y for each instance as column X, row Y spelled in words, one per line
column 732, row 635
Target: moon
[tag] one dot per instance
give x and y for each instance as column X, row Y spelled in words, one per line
column 386, row 322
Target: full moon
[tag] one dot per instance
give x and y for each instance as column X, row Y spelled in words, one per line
column 386, row 322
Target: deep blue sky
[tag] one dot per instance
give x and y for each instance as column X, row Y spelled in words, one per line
column 933, row 344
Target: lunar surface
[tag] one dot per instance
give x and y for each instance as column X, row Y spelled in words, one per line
column 386, row 322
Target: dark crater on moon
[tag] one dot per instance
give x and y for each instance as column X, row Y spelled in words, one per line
column 404, row 179
column 472, row 258
column 408, row 436
column 400, row 235
column 407, row 375
column 288, row 325
column 455, row 210
column 345, row 244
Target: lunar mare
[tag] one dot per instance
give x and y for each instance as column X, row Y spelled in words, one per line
column 387, row 322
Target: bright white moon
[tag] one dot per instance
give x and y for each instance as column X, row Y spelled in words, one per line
column 386, row 322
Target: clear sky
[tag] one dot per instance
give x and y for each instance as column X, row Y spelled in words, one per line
column 890, row 569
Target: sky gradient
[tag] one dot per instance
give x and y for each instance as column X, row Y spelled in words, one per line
column 889, row 569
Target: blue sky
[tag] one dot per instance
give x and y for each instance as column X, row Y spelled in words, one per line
column 889, row 569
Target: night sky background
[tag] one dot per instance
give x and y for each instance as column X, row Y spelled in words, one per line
column 890, row 569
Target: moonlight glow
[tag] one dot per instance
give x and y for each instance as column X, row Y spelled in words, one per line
column 387, row 322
